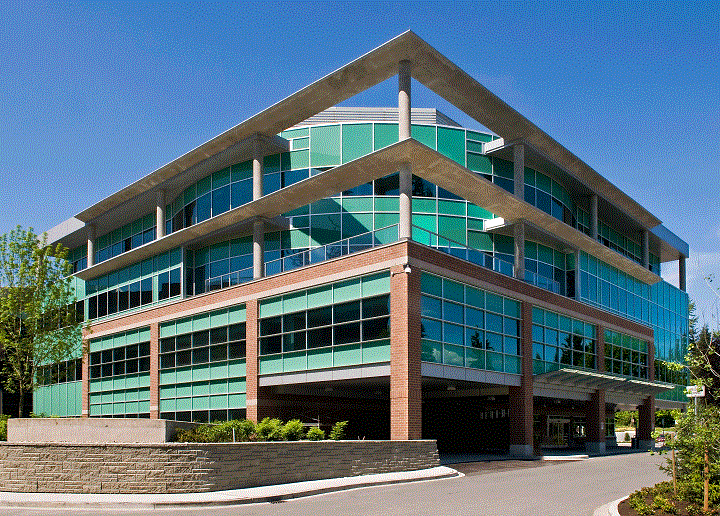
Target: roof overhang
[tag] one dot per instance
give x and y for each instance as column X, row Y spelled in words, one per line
column 425, row 162
column 430, row 68
column 570, row 376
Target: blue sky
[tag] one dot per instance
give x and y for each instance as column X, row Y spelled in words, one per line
column 95, row 95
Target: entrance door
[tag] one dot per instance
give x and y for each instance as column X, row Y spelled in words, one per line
column 558, row 430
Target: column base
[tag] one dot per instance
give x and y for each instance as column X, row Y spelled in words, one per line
column 595, row 448
column 647, row 444
column 522, row 451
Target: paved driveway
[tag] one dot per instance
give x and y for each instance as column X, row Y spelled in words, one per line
column 555, row 489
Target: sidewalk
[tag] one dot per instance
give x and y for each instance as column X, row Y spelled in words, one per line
column 219, row 498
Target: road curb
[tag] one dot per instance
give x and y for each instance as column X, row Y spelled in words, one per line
column 250, row 495
column 609, row 509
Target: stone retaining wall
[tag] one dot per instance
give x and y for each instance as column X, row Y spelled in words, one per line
column 190, row 467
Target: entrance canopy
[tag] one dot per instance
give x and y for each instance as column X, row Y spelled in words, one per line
column 611, row 383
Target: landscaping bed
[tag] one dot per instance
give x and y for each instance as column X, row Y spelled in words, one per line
column 660, row 500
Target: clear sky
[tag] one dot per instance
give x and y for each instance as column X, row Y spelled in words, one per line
column 95, row 95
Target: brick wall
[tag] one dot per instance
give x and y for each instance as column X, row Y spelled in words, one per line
column 190, row 467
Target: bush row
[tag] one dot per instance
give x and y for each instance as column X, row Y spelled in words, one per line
column 269, row 429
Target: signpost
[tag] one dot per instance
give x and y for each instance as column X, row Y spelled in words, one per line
column 693, row 391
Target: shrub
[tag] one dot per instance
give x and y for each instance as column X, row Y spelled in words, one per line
column 293, row 430
column 627, row 437
column 638, row 503
column 3, row 427
column 269, row 430
column 338, row 430
column 663, row 504
column 315, row 434
column 219, row 433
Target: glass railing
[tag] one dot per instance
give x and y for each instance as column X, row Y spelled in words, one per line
column 305, row 257
column 453, row 248
column 344, row 247
column 541, row 281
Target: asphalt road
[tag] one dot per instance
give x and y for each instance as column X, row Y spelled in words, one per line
column 492, row 489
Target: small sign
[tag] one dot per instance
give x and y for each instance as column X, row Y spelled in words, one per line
column 693, row 391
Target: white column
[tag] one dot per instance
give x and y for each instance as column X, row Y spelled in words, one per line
column 160, row 215
column 594, row 216
column 258, row 225
column 404, row 99
column 682, row 274
column 405, row 225
column 90, row 245
column 519, row 170
column 519, row 237
column 646, row 248
column 258, row 249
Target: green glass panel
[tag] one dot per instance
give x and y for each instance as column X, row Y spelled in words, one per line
column 221, row 178
column 453, row 290
column 358, row 204
column 296, row 361
column 347, row 290
column 271, row 164
column 236, row 314
column 451, row 207
column 301, row 143
column 299, row 238
column 453, row 355
column 387, row 204
column 452, row 228
column 218, row 318
column 423, row 205
column 451, row 143
column 431, row 351
column 512, row 308
column 480, row 137
column 385, row 134
column 356, row 224
column 493, row 302
column 296, row 159
column 430, row 284
column 531, row 250
column 325, row 146
column 545, row 254
column 218, row 371
column 295, row 133
column 326, row 229
column 236, row 401
column 201, row 322
column 319, row 296
column 503, row 168
column 218, row 402
column 319, row 358
column 240, row 171
column 386, row 219
column 202, row 403
column 494, row 361
column 512, row 364
column 478, row 163
column 473, row 147
column 475, row 358
column 551, row 319
column 326, row 206
column 376, row 284
column 270, row 365
column 504, row 244
column 544, row 183
column 376, row 351
column 349, row 354
column 357, row 141
column 480, row 241
column 270, row 307
column 236, row 368
column 425, row 134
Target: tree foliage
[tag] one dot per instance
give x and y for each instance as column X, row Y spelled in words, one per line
column 38, row 320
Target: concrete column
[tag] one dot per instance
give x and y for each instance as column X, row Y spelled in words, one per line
column 519, row 237
column 405, row 376
column 258, row 249
column 405, row 225
column 154, row 370
column 595, row 419
column 258, row 225
column 160, row 215
column 646, row 423
column 519, row 169
column 251, row 360
column 91, row 245
column 646, row 248
column 682, row 274
column 521, row 398
column 594, row 216
column 404, row 80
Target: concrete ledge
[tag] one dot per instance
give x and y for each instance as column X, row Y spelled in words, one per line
column 167, row 468
column 92, row 430
column 220, row 498
column 609, row 509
